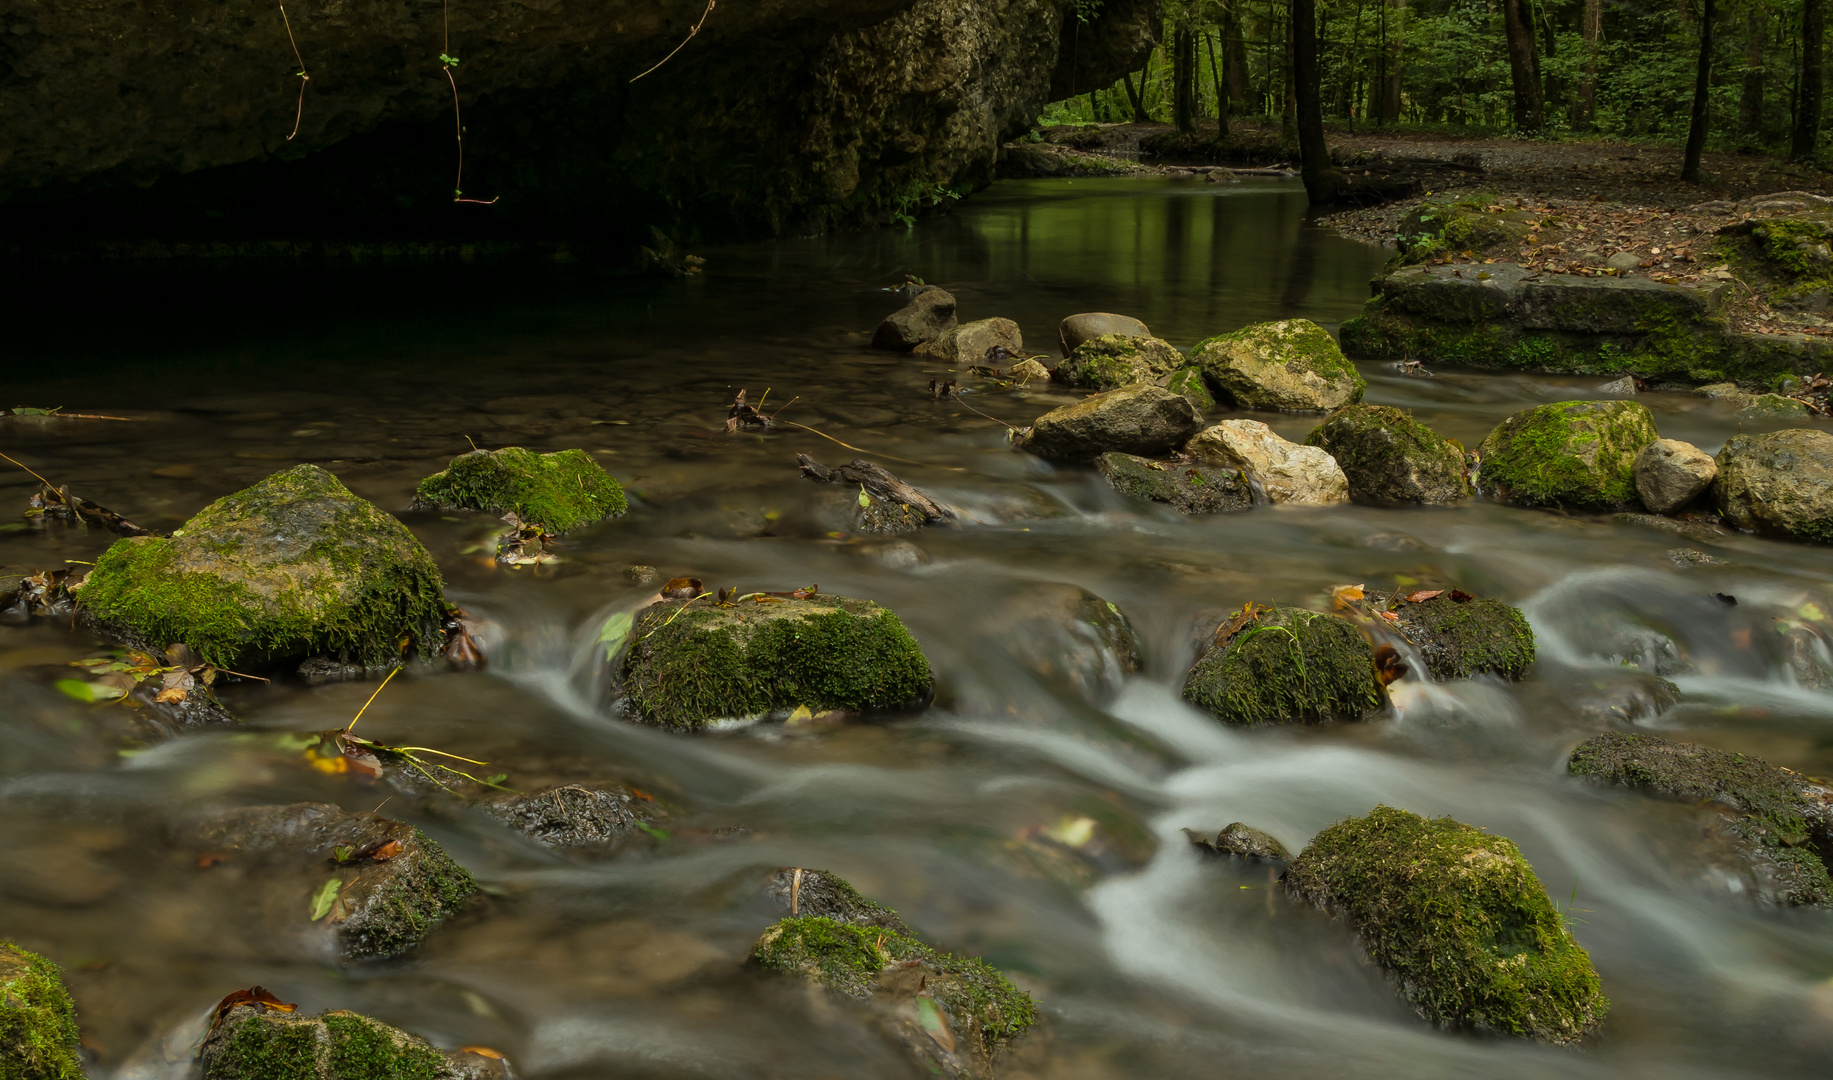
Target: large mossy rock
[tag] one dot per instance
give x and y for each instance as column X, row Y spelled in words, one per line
column 1458, row 919
column 559, row 491
column 1580, row 454
column 38, row 1033
column 1114, row 360
column 254, row 1042
column 1460, row 636
column 1193, row 489
column 295, row 566
column 1782, row 823
column 691, row 662
column 1286, row 666
column 1292, row 365
column 1391, row 459
column 1138, row 419
column 1779, row 484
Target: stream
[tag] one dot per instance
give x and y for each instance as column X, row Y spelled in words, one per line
column 1032, row 815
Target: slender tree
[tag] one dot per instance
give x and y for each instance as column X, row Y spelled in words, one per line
column 1702, row 88
column 1586, row 111
column 1184, row 76
column 1222, row 101
column 1322, row 182
column 1529, row 114
column 1750, row 101
column 1138, row 101
column 1807, row 95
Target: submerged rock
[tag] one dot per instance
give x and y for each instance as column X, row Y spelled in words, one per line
column 1779, row 484
column 574, row 815
column 695, row 661
column 1286, row 666
column 1782, row 823
column 1188, row 382
column 1458, row 919
column 1065, row 634
column 38, row 1033
column 1670, row 474
column 1291, row 364
column 372, row 886
column 805, row 893
column 928, row 315
column 1138, row 419
column 559, row 492
column 293, row 567
column 1772, row 407
column 254, row 1042
column 1284, row 472
column 1243, row 842
column 1460, row 636
column 1113, row 360
column 1569, row 453
column 970, row 343
column 1076, row 329
column 1193, row 489
column 1391, row 459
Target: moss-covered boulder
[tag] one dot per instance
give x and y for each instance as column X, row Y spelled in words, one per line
column 691, row 662
column 1779, row 484
column 1136, row 419
column 335, row 884
column 1286, row 666
column 1579, row 454
column 1782, row 823
column 1292, row 364
column 1391, row 459
column 1192, row 488
column 1460, row 636
column 1188, row 383
column 1458, row 919
column 1113, row 360
column 559, row 492
column 38, row 1034
column 293, row 567
column 255, row 1042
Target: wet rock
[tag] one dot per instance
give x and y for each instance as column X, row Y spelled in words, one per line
column 254, row 1042
column 1242, row 841
column 393, row 883
column 1066, row 634
column 1568, row 453
column 1391, row 459
column 1689, row 527
column 884, row 503
column 1782, row 823
column 1076, row 329
column 969, row 343
column 1779, row 484
column 638, row 574
column 319, row 670
column 1618, row 698
column 573, row 815
column 559, row 492
column 1461, row 638
column 38, row 1033
column 1113, row 360
column 693, row 662
column 1772, row 407
column 1292, row 365
column 1624, row 387
column 1457, row 918
column 1028, row 371
column 1671, row 473
column 1286, row 666
column 928, row 315
column 1690, row 557
column 1138, row 419
column 1193, row 489
column 804, row 893
column 1188, row 382
column 295, row 566
column 1284, row 472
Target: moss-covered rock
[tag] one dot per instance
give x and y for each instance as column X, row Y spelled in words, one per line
column 1292, row 364
column 1460, row 636
column 1391, row 459
column 1136, row 419
column 806, row 893
column 1242, row 842
column 295, row 566
column 1778, row 484
column 1784, row 822
column 254, row 1042
column 1569, row 453
column 1194, row 489
column 38, row 1034
column 690, row 662
column 559, row 491
column 1113, row 360
column 1188, row 383
column 1288, row 666
column 1089, row 325
column 1458, row 919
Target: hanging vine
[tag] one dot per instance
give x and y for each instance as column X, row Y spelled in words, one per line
column 299, row 113
column 448, row 62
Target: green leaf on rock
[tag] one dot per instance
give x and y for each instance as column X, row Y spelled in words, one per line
column 324, row 898
column 616, row 629
column 91, row 693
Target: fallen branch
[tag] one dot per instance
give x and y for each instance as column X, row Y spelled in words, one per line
column 878, row 483
column 58, row 502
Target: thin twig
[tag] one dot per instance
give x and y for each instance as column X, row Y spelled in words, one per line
column 861, row 450
column 957, row 398
column 458, row 121
column 372, row 697
column 303, row 77
column 41, row 479
column 691, row 31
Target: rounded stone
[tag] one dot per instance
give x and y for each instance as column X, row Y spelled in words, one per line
column 1390, row 459
column 1076, row 329
column 1778, row 484
column 1284, row 472
column 1115, row 360
column 1568, row 453
column 970, row 343
column 928, row 315
column 1671, row 474
column 1288, row 365
column 1136, row 419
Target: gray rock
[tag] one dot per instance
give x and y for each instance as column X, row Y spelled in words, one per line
column 1193, row 489
column 1671, row 473
column 1112, row 360
column 1068, row 636
column 1077, row 329
column 1242, row 841
column 1690, row 557
column 1772, row 407
column 1289, row 365
column 1391, row 459
column 928, row 315
column 1778, row 484
column 969, row 343
column 1138, row 419
column 1285, row 472
column 576, row 815
column 802, row 893
column 253, row 1042
column 1624, row 260
column 1624, row 387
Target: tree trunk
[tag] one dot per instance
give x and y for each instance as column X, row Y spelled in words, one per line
column 1750, row 103
column 1393, row 65
column 1529, row 117
column 1288, row 111
column 1702, row 87
column 1807, row 107
column 1184, row 77
column 1222, row 101
column 1322, row 183
column 1586, row 111
column 1139, row 108
column 1234, row 56
column 1549, row 82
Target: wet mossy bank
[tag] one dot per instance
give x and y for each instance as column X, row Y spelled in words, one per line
column 38, row 1032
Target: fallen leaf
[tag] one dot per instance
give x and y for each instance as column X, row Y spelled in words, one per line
column 254, row 995
column 1459, row 596
column 1389, row 665
column 386, row 851
column 92, row 693
column 801, row 716
column 615, row 630
column 173, row 696
column 1389, row 616
column 322, row 899
column 935, row 1022
column 682, row 588
column 1072, row 832
column 211, row 858
column 483, row 1051
column 1420, row 596
column 1346, row 594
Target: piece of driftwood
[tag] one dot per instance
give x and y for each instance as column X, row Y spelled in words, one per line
column 878, row 483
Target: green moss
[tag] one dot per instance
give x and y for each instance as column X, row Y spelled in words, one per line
column 1291, row 666
column 255, row 1044
column 1476, row 637
column 1114, row 360
column 1290, row 364
column 362, row 1049
column 1188, row 383
column 559, row 491
column 1457, row 917
column 1193, row 489
column 410, row 902
column 1303, row 345
column 291, row 567
column 1568, row 453
column 1390, row 458
column 270, row 1046
column 38, row 1032
column 691, row 663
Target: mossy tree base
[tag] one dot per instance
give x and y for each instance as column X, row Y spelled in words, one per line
column 559, row 492
column 1288, row 666
column 38, row 1032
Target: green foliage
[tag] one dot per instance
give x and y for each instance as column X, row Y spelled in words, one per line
column 1290, row 666
column 38, row 1032
column 560, row 491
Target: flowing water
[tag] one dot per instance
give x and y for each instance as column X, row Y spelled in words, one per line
column 973, row 818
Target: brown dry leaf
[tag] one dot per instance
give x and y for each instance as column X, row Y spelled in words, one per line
column 386, row 851
column 1389, row 616
column 484, row 1051
column 682, row 588
column 1345, row 595
column 1389, row 665
column 254, row 995
column 173, row 696
column 1420, row 596
column 1249, row 612
column 211, row 858
column 1459, row 596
